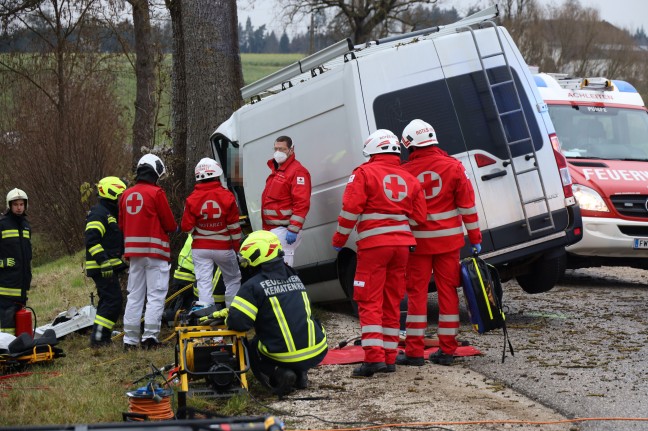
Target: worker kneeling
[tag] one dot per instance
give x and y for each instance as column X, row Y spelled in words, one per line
column 288, row 340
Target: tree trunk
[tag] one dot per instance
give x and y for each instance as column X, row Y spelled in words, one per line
column 212, row 70
column 144, row 122
column 178, row 100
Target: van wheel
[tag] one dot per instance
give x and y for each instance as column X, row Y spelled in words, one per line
column 346, row 263
column 544, row 274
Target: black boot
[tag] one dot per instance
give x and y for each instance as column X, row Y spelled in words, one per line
column 302, row 380
column 367, row 369
column 284, row 379
column 403, row 359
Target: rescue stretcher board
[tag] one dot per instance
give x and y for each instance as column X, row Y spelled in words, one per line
column 355, row 354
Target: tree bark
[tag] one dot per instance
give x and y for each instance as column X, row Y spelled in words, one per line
column 178, row 99
column 145, row 103
column 213, row 72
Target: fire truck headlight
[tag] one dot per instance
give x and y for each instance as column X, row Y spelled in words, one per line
column 589, row 199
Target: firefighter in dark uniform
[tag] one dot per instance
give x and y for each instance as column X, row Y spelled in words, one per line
column 15, row 259
column 288, row 340
column 104, row 249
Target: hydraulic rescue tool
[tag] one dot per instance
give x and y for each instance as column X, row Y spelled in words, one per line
column 211, row 360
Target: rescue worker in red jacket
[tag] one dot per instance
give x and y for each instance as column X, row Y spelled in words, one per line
column 104, row 244
column 450, row 202
column 381, row 200
column 286, row 198
column 146, row 220
column 15, row 259
column 211, row 216
column 288, row 339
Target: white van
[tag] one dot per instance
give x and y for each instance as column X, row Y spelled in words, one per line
column 602, row 125
column 471, row 84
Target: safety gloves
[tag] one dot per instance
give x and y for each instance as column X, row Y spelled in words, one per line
column 476, row 248
column 8, row 262
column 220, row 314
column 291, row 237
column 106, row 269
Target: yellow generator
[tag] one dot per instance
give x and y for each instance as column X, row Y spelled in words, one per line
column 212, row 360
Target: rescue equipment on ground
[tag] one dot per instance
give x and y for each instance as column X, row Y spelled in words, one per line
column 483, row 294
column 24, row 350
column 150, row 402
column 23, row 319
column 70, row 321
column 212, row 360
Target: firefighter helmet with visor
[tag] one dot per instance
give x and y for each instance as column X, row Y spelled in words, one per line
column 207, row 168
column 418, row 133
column 259, row 247
column 382, row 141
column 154, row 162
column 14, row 195
column 110, row 188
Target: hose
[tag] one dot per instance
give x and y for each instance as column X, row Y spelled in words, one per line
column 154, row 410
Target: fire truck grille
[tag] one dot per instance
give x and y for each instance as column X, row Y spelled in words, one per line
column 631, row 205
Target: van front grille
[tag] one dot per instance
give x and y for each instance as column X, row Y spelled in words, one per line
column 631, row 205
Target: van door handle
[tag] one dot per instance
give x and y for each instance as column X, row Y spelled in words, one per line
column 493, row 175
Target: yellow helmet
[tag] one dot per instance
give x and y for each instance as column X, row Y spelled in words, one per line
column 260, row 247
column 110, row 188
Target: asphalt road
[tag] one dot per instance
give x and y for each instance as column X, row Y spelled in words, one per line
column 581, row 349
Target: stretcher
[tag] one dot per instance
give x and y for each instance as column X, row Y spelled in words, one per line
column 24, row 350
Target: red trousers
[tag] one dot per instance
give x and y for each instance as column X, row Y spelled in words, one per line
column 446, row 278
column 379, row 286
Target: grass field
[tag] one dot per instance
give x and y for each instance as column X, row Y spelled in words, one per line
column 88, row 385
column 255, row 67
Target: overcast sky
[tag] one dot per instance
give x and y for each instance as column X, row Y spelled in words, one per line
column 630, row 14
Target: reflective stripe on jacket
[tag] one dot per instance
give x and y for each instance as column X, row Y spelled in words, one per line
column 15, row 242
column 450, row 201
column 274, row 302
column 145, row 218
column 381, row 200
column 286, row 197
column 103, row 239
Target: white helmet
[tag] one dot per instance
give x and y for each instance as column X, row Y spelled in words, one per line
column 381, row 141
column 153, row 161
column 16, row 194
column 207, row 168
column 418, row 133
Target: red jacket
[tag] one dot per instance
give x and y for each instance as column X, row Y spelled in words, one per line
column 212, row 217
column 286, row 197
column 450, row 201
column 383, row 199
column 145, row 217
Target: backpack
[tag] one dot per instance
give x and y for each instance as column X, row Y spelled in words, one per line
column 483, row 294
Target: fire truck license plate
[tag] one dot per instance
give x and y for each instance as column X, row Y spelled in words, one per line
column 641, row 243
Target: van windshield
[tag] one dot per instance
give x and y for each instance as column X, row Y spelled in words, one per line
column 592, row 132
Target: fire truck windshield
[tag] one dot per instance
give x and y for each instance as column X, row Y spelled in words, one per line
column 601, row 132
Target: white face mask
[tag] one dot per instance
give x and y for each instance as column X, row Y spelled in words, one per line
column 280, row 157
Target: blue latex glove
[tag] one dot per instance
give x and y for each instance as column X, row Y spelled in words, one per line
column 337, row 248
column 291, row 237
column 476, row 248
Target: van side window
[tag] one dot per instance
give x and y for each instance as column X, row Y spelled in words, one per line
column 473, row 123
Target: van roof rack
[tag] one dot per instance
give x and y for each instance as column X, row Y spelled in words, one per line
column 314, row 61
